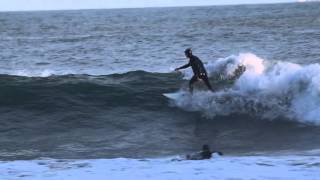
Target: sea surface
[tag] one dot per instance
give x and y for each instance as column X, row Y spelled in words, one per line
column 89, row 84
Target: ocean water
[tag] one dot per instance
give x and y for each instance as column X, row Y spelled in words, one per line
column 88, row 84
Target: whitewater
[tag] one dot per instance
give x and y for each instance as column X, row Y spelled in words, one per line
column 250, row 167
column 266, row 89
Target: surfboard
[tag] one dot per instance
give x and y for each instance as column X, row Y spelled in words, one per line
column 175, row 95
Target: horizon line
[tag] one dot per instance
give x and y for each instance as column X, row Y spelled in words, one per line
column 147, row 7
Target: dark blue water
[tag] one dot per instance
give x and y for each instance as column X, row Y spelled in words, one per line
column 89, row 84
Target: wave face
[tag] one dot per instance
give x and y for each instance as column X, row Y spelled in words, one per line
column 78, row 116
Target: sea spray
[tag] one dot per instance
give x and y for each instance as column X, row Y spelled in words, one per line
column 266, row 90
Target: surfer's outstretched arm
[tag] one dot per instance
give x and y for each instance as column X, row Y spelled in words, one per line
column 183, row 67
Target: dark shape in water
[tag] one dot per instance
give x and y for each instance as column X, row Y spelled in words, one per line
column 206, row 153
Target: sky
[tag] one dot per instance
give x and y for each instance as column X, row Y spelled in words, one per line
column 17, row 5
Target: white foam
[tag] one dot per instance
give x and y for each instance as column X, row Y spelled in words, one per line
column 46, row 72
column 267, row 90
column 250, row 167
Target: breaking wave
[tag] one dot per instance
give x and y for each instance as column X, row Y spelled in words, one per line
column 264, row 89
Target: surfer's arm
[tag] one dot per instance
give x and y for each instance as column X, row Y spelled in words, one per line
column 183, row 67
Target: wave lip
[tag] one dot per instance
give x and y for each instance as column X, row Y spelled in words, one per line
column 266, row 90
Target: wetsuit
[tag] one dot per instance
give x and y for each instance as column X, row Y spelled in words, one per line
column 206, row 154
column 199, row 72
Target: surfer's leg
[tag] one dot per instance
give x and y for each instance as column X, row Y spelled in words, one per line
column 206, row 81
column 192, row 80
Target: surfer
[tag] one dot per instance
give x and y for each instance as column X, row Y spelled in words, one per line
column 199, row 72
column 206, row 153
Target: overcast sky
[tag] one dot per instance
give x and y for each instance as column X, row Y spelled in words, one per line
column 16, row 5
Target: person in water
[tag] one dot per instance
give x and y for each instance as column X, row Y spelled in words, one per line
column 199, row 72
column 206, row 153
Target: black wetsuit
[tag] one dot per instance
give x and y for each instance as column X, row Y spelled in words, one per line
column 199, row 72
column 206, row 154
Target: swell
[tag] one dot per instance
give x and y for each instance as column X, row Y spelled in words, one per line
column 136, row 88
column 125, row 115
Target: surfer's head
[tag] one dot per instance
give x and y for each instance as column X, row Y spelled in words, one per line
column 188, row 52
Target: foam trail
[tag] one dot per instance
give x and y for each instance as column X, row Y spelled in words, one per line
column 266, row 90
